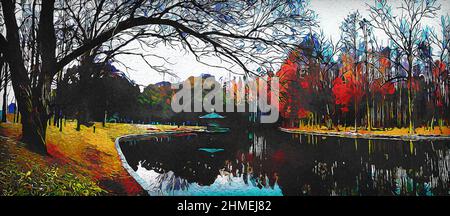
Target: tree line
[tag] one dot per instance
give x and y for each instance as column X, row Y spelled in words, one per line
column 360, row 83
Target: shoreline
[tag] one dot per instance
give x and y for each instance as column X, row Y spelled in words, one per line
column 97, row 156
column 124, row 161
column 349, row 134
column 88, row 154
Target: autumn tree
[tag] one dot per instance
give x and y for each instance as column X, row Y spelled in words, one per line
column 405, row 31
column 441, row 40
column 350, row 36
column 305, row 79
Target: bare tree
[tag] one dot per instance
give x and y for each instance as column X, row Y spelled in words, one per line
column 325, row 53
column 240, row 33
column 442, row 39
column 405, row 31
column 350, row 29
column 5, row 78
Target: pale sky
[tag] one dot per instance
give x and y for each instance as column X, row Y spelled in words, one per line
column 330, row 14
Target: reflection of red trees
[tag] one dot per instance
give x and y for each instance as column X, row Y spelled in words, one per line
column 279, row 156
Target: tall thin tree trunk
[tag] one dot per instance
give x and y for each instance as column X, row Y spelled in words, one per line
column 410, row 78
column 5, row 94
column 369, row 127
column 104, row 119
column 60, row 124
column 78, row 122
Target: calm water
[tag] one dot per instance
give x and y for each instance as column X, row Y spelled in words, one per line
column 268, row 162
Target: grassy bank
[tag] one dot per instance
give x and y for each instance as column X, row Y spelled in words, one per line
column 75, row 158
column 398, row 133
column 25, row 173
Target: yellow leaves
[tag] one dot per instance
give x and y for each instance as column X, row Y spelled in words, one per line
column 387, row 131
column 384, row 65
column 347, row 65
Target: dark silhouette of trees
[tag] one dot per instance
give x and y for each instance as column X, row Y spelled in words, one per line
column 107, row 91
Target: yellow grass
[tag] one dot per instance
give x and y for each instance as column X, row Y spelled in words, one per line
column 437, row 131
column 93, row 154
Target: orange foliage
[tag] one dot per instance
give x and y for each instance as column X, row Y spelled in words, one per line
column 347, row 87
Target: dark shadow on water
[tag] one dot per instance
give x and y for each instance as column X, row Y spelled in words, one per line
column 296, row 164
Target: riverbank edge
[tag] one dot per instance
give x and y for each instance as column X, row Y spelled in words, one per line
column 112, row 180
column 348, row 134
column 124, row 161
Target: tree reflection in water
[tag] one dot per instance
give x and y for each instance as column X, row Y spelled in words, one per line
column 264, row 162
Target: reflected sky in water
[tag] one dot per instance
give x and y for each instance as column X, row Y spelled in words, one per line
column 267, row 162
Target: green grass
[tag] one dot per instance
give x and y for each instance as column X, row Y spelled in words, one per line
column 43, row 181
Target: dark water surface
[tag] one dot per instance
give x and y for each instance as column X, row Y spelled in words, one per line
column 267, row 162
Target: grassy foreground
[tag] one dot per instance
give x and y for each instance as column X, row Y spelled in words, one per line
column 79, row 162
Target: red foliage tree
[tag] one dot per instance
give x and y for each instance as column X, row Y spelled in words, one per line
column 347, row 87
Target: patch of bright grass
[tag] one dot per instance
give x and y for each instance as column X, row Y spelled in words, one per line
column 44, row 181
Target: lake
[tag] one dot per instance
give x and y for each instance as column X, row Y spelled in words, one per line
column 273, row 163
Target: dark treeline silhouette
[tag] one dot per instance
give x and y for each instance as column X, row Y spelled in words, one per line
column 105, row 92
column 105, row 95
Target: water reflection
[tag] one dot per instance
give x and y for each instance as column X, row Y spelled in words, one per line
column 264, row 162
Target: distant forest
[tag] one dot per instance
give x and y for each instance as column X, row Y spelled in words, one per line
column 101, row 93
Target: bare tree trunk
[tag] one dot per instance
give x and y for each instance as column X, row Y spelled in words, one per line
column 78, row 121
column 60, row 124
column 104, row 119
column 410, row 73
column 369, row 126
column 33, row 101
column 5, row 93
column 34, row 127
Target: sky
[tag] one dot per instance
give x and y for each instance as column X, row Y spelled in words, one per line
column 332, row 12
column 330, row 15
